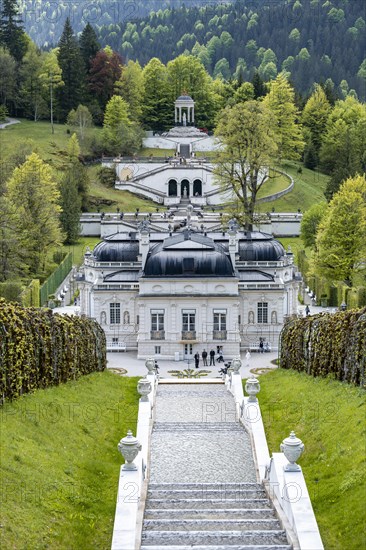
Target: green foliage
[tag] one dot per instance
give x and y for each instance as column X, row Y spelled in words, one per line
column 51, row 284
column 107, row 176
column 81, row 119
column 3, row 113
column 62, row 459
column 12, row 35
column 121, row 135
column 329, row 418
column 281, row 101
column 248, row 135
column 314, row 118
column 30, row 294
column 8, row 77
column 341, row 239
column 310, row 223
column 131, row 88
column 40, row 349
column 327, row 344
column 11, row 291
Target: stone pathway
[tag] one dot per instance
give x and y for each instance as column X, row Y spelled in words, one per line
column 202, row 490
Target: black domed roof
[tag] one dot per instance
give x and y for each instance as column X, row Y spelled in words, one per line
column 185, row 98
column 188, row 254
column 260, row 247
column 116, row 248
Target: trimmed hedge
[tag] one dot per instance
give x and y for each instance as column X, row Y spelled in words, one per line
column 327, row 344
column 39, row 349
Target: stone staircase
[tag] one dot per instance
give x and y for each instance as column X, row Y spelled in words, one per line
column 202, row 492
column 211, row 516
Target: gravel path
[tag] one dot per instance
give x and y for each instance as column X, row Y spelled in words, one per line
column 196, row 438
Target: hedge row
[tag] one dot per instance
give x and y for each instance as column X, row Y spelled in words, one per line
column 40, row 349
column 326, row 344
column 328, row 294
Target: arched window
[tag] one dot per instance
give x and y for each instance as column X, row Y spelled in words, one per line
column 172, row 188
column 197, row 188
column 184, row 188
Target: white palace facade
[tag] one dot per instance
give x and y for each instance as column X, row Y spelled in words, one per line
column 188, row 285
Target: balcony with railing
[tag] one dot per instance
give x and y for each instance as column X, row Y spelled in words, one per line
column 188, row 334
column 157, row 335
column 219, row 335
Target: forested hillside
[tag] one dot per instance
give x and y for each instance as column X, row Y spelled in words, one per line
column 313, row 40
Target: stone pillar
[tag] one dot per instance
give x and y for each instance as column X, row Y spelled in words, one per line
column 175, row 114
column 192, row 114
column 180, row 114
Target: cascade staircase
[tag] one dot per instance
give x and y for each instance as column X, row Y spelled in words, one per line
column 211, row 517
column 215, row 503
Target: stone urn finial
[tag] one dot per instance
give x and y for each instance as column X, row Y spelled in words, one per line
column 235, row 365
column 292, row 447
column 150, row 364
column 129, row 448
column 252, row 387
column 144, row 388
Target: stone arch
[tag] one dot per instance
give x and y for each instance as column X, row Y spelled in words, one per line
column 197, row 188
column 184, row 186
column 172, row 188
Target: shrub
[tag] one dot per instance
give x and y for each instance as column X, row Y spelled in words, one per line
column 39, row 349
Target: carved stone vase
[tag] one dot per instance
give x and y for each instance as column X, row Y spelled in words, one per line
column 150, row 364
column 235, row 365
column 144, row 388
column 129, row 448
column 252, row 387
column 292, row 447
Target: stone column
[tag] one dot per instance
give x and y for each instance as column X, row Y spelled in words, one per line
column 192, row 114
column 180, row 114
column 175, row 114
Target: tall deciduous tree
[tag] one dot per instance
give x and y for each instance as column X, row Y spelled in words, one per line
column 310, row 223
column 157, row 108
column 73, row 71
column 70, row 199
column 8, row 77
column 33, row 102
column 281, row 102
column 249, row 140
column 314, row 118
column 12, row 35
column 105, row 70
column 51, row 78
column 32, row 191
column 130, row 86
column 343, row 153
column 120, row 134
column 80, row 119
column 341, row 239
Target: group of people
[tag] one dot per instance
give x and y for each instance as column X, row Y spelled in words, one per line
column 211, row 355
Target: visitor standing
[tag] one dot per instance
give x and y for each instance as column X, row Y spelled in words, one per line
column 212, row 357
column 204, row 358
column 307, row 311
column 196, row 359
column 261, row 345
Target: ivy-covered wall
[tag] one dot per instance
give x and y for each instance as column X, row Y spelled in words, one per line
column 327, row 344
column 40, row 349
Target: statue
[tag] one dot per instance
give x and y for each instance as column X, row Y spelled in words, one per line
column 184, row 119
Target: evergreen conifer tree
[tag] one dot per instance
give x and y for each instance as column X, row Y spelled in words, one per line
column 12, row 35
column 89, row 45
column 73, row 72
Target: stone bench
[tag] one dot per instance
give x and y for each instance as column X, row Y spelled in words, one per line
column 116, row 346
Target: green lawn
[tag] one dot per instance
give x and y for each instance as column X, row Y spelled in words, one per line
column 274, row 184
column 60, row 465
column 308, row 189
column 329, row 417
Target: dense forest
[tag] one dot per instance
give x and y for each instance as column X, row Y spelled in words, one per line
column 313, row 40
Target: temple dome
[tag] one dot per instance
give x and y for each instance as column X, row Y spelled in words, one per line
column 260, row 247
column 116, row 248
column 184, row 98
column 187, row 255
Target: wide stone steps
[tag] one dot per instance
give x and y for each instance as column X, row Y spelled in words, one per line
column 206, row 513
column 212, row 524
column 222, row 547
column 193, row 426
column 210, row 516
column 210, row 538
column 217, row 504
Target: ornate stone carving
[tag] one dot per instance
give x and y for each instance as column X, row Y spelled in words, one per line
column 129, row 447
column 292, row 447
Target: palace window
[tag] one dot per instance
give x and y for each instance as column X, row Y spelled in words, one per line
column 157, row 320
column 115, row 313
column 262, row 312
column 189, row 320
column 219, row 319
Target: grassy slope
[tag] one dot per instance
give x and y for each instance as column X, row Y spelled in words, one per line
column 49, row 145
column 59, row 463
column 329, row 417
